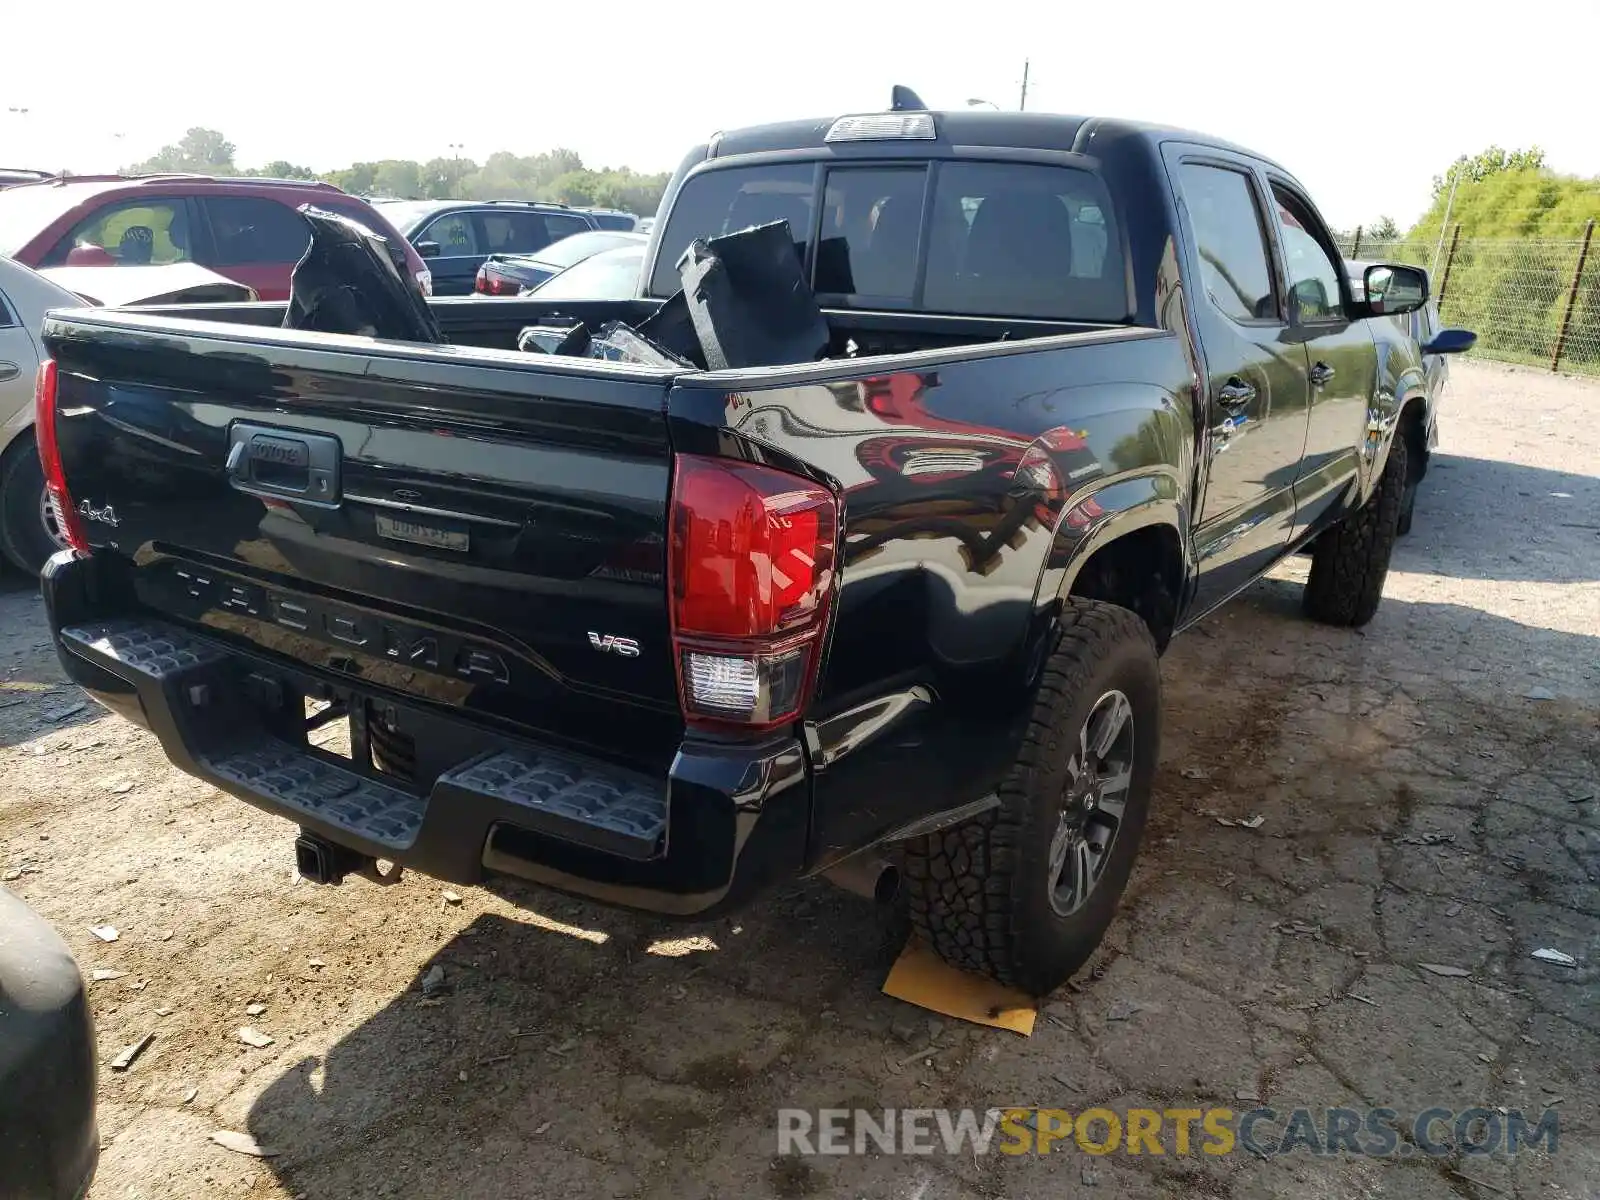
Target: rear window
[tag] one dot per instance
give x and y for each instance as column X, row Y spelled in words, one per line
column 580, row 246
column 988, row 239
column 250, row 229
column 609, row 275
column 560, row 225
column 718, row 202
column 1016, row 240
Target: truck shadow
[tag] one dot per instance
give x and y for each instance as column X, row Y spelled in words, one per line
column 586, row 1051
column 575, row 1050
column 1479, row 518
column 36, row 698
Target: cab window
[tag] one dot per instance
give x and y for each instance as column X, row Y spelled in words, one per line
column 1313, row 272
column 454, row 234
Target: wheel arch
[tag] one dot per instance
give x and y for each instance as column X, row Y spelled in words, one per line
column 1413, row 427
column 1124, row 544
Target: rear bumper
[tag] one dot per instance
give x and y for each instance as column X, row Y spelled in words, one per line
column 726, row 822
column 48, row 1141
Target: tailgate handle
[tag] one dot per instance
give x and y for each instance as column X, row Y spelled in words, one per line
column 284, row 464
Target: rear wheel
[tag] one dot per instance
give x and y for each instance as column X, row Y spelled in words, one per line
column 1350, row 561
column 29, row 531
column 1408, row 505
column 1024, row 892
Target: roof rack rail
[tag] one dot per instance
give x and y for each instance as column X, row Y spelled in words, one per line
column 305, row 183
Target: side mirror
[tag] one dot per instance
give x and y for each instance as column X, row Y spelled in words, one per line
column 428, row 249
column 1392, row 289
column 1451, row 341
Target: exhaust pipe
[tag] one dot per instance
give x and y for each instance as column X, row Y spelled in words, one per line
column 872, row 878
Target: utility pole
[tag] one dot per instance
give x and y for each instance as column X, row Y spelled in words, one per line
column 1022, row 105
column 1449, row 206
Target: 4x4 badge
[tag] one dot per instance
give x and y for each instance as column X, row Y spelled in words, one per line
column 106, row 515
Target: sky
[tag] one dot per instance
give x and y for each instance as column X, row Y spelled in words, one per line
column 1364, row 102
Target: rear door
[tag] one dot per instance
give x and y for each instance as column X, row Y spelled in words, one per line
column 1341, row 361
column 19, row 360
column 254, row 241
column 1255, row 368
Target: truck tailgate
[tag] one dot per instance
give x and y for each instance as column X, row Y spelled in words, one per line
column 476, row 529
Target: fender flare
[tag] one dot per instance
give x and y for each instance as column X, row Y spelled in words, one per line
column 1384, row 412
column 1154, row 498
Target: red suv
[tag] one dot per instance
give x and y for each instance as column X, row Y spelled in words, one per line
column 245, row 229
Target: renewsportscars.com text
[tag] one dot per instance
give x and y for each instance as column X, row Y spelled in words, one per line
column 1263, row 1131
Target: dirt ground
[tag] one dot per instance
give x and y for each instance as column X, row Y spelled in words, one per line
column 1430, row 789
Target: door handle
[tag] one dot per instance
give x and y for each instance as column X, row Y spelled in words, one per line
column 9, row 371
column 1321, row 374
column 1235, row 394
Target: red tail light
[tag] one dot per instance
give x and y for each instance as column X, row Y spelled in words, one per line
column 492, row 283
column 55, row 479
column 751, row 563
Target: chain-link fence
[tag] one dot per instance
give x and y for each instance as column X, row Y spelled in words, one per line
column 1529, row 300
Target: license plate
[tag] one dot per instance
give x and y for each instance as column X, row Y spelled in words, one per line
column 401, row 530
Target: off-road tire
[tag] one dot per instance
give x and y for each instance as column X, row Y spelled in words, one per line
column 979, row 892
column 23, row 537
column 1350, row 561
column 1408, row 507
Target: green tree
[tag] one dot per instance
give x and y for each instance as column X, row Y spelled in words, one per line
column 1520, row 224
column 281, row 168
column 203, row 151
column 552, row 175
column 356, row 179
column 399, row 177
column 1382, row 230
column 1475, row 168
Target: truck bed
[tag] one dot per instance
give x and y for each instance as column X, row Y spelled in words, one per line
column 492, row 323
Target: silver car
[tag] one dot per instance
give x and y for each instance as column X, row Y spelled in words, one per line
column 28, row 531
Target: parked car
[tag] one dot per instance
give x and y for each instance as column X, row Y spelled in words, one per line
column 511, row 274
column 613, row 218
column 455, row 236
column 609, row 275
column 175, row 283
column 29, row 530
column 1437, row 344
column 49, row 1143
column 244, row 229
column 665, row 636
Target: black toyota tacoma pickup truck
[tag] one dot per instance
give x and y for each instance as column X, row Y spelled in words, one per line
column 664, row 636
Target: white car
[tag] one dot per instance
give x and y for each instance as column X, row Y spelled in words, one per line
column 28, row 531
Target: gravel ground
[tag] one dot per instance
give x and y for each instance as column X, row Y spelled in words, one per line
column 1430, row 789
